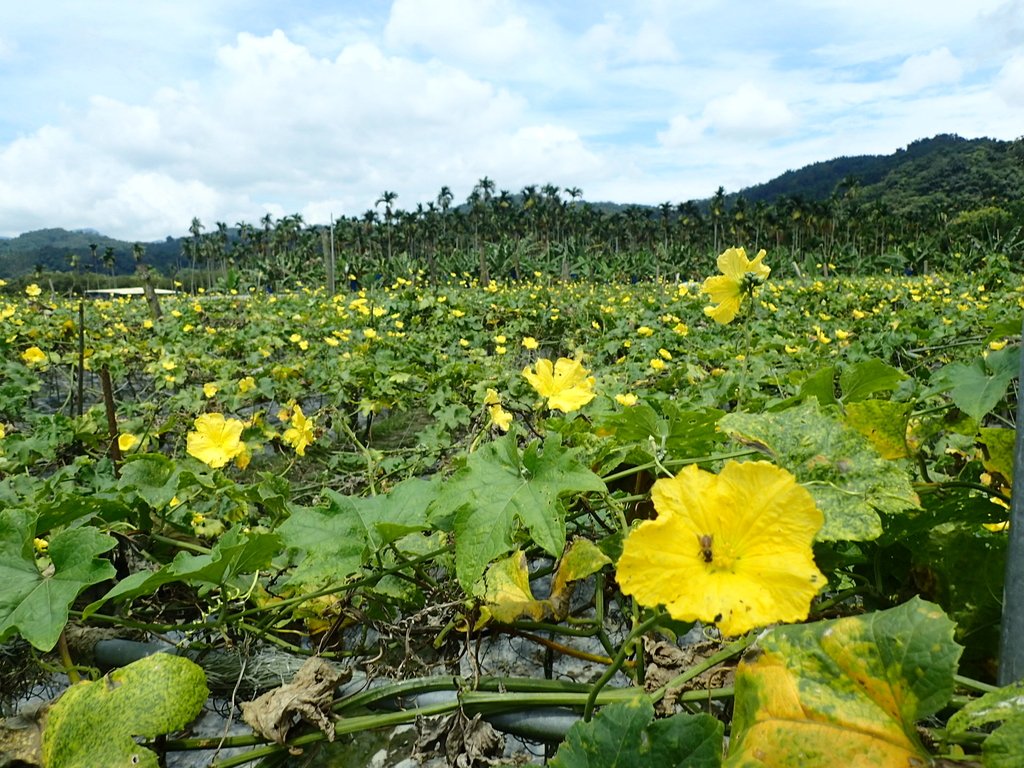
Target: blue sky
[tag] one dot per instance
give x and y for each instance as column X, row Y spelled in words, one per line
column 132, row 117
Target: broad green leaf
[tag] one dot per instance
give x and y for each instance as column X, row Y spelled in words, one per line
column 33, row 603
column 152, row 476
column 623, row 736
column 961, row 567
column 978, row 387
column 94, row 723
column 820, row 385
column 849, row 480
column 884, row 423
column 1002, row 747
column 335, row 541
column 235, row 553
column 497, row 490
column 998, row 451
column 327, row 543
column 861, row 380
column 675, row 432
column 847, row 692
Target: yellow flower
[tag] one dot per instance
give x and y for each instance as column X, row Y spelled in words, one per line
column 369, row 333
column 681, row 329
column 644, row 330
column 246, row 384
column 664, row 354
column 33, row 356
column 995, row 346
column 565, row 384
column 216, row 440
column 500, row 418
column 300, row 433
column 492, row 397
column 530, row 343
column 126, row 441
column 658, row 364
column 740, row 276
column 732, row 548
column 33, row 290
column 628, row 399
column 3, row 431
column 210, row 389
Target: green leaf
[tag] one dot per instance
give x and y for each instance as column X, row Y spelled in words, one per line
column 623, row 736
column 36, row 603
column 678, row 433
column 861, row 380
column 978, row 387
column 235, row 553
column 844, row 692
column 498, row 488
column 332, row 543
column 152, row 476
column 94, row 723
column 849, row 480
column 820, row 385
column 1002, row 747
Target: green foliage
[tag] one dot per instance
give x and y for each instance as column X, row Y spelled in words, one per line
column 34, row 602
column 1002, row 747
column 234, row 554
column 502, row 488
column 624, row 736
column 93, row 722
column 978, row 387
column 849, row 480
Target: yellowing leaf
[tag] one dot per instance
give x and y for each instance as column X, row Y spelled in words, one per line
column 846, row 692
column 997, row 452
column 849, row 480
column 882, row 422
column 93, row 723
column 507, row 591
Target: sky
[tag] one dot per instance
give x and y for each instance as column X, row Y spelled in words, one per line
column 133, row 117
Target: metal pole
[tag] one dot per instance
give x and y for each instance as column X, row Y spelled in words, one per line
column 1011, row 641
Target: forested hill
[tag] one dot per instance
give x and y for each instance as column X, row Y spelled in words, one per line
column 950, row 193
column 945, row 173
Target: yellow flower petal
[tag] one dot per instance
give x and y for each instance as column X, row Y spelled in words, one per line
column 733, row 548
column 216, row 440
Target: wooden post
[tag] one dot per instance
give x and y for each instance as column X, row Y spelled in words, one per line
column 1011, row 641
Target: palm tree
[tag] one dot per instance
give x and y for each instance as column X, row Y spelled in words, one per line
column 387, row 198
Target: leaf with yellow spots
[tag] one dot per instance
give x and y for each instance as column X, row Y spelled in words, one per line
column 882, row 422
column 845, row 692
column 997, row 451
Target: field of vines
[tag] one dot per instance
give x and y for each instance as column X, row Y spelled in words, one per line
column 742, row 521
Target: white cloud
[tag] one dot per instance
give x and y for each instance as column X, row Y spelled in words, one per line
column 748, row 112
column 479, row 33
column 1009, row 83
column 682, row 131
column 937, row 67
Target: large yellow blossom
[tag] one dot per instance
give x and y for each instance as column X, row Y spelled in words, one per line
column 566, row 384
column 300, row 434
column 733, row 549
column 216, row 440
column 33, row 356
column 739, row 277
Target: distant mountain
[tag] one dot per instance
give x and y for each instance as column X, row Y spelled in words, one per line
column 922, row 183
column 946, row 173
column 52, row 249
